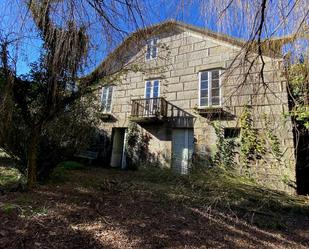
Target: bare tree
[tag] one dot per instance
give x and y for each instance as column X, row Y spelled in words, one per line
column 70, row 30
column 66, row 28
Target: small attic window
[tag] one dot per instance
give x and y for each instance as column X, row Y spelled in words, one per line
column 152, row 49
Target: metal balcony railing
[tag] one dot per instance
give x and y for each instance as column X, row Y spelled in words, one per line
column 160, row 108
column 148, row 108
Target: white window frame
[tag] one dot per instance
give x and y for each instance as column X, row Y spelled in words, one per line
column 112, row 97
column 209, row 88
column 151, row 93
column 151, row 48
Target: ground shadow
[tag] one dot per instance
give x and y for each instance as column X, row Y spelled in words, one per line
column 115, row 213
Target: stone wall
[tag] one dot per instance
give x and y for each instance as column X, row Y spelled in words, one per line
column 180, row 60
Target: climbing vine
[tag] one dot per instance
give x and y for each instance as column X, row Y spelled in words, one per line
column 272, row 139
column 298, row 82
column 225, row 155
column 137, row 147
column 251, row 145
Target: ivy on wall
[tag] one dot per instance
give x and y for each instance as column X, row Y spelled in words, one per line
column 272, row 139
column 251, row 144
column 225, row 155
column 298, row 82
column 137, row 147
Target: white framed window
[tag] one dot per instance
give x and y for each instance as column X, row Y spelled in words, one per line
column 152, row 94
column 106, row 99
column 209, row 88
column 152, row 89
column 152, row 49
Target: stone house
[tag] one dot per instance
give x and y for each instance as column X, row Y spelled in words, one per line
column 176, row 80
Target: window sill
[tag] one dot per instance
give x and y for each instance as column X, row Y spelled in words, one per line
column 210, row 109
column 152, row 59
column 215, row 112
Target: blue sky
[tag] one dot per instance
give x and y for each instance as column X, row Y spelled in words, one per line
column 15, row 21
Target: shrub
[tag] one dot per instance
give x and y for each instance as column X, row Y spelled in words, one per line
column 71, row 165
column 11, row 179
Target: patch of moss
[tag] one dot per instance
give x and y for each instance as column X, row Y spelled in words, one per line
column 8, row 208
column 62, row 171
column 11, row 178
column 3, row 154
column 23, row 200
column 71, row 165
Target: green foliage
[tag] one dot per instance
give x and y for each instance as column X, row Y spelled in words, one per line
column 78, row 125
column 77, row 121
column 301, row 114
column 225, row 155
column 8, row 208
column 251, row 145
column 137, row 149
column 298, row 74
column 71, row 165
column 217, row 192
column 157, row 175
column 11, row 179
column 7, row 112
column 226, row 191
column 298, row 80
column 272, row 139
column 62, row 171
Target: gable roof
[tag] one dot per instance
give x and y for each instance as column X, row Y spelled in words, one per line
column 207, row 32
column 144, row 33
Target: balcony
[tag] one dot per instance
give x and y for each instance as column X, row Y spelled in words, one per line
column 152, row 110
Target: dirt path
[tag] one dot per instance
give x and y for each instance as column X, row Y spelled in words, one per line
column 113, row 214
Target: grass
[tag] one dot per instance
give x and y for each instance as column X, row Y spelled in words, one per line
column 10, row 177
column 71, row 165
column 215, row 189
column 213, row 185
column 218, row 190
column 8, row 208
column 129, row 206
column 3, row 154
column 62, row 171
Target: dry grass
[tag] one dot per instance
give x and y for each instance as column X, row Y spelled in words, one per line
column 97, row 208
column 10, row 178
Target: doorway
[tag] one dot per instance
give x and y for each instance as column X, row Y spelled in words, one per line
column 118, row 158
column 182, row 150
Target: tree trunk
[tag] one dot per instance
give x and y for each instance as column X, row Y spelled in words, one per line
column 32, row 158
